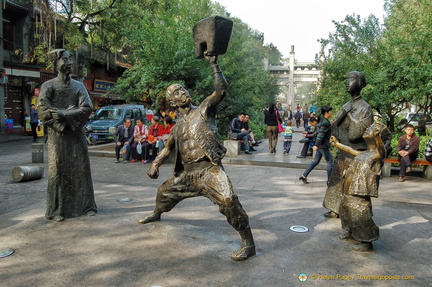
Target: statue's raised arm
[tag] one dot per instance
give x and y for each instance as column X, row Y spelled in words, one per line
column 211, row 38
column 219, row 81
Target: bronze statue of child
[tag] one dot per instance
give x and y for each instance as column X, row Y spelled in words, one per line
column 360, row 182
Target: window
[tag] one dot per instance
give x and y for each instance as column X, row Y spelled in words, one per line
column 138, row 113
column 8, row 36
column 107, row 114
column 129, row 114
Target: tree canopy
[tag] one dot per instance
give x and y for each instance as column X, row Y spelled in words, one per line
column 395, row 58
column 154, row 38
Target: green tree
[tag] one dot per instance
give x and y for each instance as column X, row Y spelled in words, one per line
column 158, row 42
column 395, row 58
column 404, row 59
column 349, row 49
column 154, row 38
column 66, row 23
column 161, row 52
column 250, row 87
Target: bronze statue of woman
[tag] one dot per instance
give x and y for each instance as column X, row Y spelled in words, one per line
column 350, row 124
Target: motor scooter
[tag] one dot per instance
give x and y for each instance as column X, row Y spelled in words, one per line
column 91, row 139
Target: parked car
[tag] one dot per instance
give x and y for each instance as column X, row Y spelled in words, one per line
column 414, row 118
column 103, row 124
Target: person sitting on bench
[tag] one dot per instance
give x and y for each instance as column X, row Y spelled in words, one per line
column 407, row 149
column 238, row 132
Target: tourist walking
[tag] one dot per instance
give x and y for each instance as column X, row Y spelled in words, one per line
column 34, row 122
column 306, row 117
column 288, row 135
column 322, row 145
column 297, row 117
column 271, row 119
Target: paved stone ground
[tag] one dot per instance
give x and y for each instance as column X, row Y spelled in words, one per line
column 192, row 244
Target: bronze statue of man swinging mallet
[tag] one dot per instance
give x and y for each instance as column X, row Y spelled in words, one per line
column 198, row 169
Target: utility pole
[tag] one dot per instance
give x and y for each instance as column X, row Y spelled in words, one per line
column 290, row 97
column 2, row 79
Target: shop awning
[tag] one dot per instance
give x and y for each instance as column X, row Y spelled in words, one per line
column 97, row 95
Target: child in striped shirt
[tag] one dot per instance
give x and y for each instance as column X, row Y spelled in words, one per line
column 288, row 134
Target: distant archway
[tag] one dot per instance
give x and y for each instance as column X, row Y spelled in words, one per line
column 293, row 73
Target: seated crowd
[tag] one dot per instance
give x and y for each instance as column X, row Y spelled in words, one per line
column 143, row 143
column 137, row 142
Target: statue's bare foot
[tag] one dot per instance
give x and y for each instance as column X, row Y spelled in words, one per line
column 58, row 218
column 243, row 253
column 152, row 217
column 362, row 247
column 346, row 236
column 331, row 214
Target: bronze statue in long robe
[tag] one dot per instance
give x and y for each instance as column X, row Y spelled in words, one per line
column 64, row 106
column 348, row 127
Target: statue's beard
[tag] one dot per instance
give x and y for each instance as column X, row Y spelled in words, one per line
column 65, row 71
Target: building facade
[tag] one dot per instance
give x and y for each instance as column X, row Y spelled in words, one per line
column 21, row 74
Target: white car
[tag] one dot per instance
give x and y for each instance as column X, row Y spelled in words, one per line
column 414, row 118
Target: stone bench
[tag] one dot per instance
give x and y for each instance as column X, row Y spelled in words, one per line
column 234, row 147
column 427, row 166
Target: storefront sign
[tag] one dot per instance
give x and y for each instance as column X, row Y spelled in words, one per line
column 103, row 86
column 22, row 73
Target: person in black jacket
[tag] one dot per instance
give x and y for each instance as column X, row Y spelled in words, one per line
column 297, row 117
column 408, row 150
column 305, row 117
column 322, row 145
column 124, row 137
column 271, row 119
column 252, row 142
column 309, row 135
column 238, row 132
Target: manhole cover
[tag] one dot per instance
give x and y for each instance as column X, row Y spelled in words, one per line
column 4, row 252
column 299, row 228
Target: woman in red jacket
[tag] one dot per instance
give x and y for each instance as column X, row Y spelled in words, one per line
column 168, row 125
column 156, row 131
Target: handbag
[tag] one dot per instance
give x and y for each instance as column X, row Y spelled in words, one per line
column 280, row 127
column 304, row 140
column 139, row 148
column 124, row 149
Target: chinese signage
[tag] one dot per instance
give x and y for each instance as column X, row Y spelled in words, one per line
column 103, row 86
